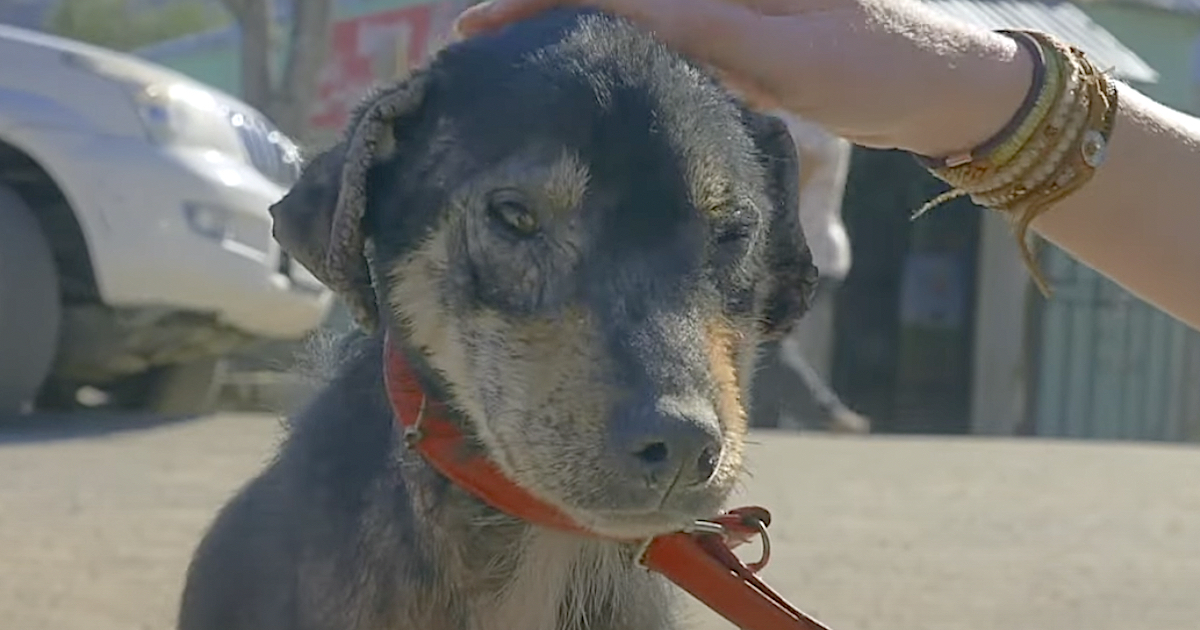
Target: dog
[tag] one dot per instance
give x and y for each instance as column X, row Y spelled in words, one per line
column 577, row 239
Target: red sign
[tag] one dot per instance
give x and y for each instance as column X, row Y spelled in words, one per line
column 378, row 47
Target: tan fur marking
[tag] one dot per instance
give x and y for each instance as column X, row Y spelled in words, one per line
column 386, row 147
column 542, row 364
column 552, row 187
column 413, row 298
column 566, row 183
column 711, row 190
column 722, row 340
column 538, row 364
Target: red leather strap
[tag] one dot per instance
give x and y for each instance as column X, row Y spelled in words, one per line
column 441, row 443
column 705, row 566
column 700, row 562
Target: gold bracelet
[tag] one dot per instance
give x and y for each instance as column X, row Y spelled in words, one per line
column 1044, row 159
column 984, row 175
column 1047, row 91
column 1054, row 78
column 1037, row 169
column 967, row 177
column 1076, row 170
column 987, row 152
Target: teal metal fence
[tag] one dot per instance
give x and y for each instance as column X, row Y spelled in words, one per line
column 1110, row 366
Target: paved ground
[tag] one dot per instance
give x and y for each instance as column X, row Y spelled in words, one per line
column 98, row 516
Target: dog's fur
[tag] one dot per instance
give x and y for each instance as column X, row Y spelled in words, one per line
column 578, row 239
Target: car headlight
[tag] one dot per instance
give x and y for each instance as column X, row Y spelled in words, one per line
column 178, row 114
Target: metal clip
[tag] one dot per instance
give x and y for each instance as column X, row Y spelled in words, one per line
column 765, row 556
column 751, row 518
column 707, row 527
column 413, row 433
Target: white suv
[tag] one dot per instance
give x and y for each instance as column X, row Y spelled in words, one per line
column 135, row 241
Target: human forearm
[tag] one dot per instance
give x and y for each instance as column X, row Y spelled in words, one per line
column 1135, row 220
column 872, row 71
column 1138, row 220
column 825, row 67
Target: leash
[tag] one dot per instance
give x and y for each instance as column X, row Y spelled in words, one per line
column 700, row 559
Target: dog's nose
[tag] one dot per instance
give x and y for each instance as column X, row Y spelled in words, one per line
column 668, row 442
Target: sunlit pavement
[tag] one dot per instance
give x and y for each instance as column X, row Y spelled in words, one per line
column 98, row 516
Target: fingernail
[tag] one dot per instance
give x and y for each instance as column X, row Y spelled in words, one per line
column 470, row 14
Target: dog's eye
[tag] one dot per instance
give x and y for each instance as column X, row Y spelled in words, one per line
column 733, row 235
column 731, row 242
column 734, row 227
column 507, row 208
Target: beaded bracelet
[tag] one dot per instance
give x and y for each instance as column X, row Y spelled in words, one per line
column 1032, row 107
column 1077, row 166
column 1063, row 97
column 1050, row 149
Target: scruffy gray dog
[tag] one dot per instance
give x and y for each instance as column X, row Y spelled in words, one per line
column 577, row 239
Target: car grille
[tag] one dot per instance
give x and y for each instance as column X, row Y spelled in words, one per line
column 271, row 153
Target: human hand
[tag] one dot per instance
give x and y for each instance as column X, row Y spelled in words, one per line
column 881, row 73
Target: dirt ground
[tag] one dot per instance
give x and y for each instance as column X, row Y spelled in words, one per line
column 98, row 516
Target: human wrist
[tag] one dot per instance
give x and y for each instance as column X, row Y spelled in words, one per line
column 1058, row 139
column 971, row 97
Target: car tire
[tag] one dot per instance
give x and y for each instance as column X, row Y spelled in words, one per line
column 30, row 305
column 184, row 389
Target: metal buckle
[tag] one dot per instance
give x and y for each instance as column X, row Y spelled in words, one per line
column 413, row 432
column 713, row 528
column 765, row 556
column 699, row 527
column 706, row 527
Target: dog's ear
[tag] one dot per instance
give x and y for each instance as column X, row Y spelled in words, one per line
column 788, row 258
column 319, row 223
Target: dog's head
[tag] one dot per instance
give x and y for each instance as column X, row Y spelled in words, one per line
column 585, row 239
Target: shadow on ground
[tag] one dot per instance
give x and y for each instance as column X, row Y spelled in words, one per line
column 46, row 427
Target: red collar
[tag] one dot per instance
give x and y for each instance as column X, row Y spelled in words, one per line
column 699, row 560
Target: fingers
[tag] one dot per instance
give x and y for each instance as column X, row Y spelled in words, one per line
column 751, row 94
column 657, row 15
column 712, row 32
column 493, row 14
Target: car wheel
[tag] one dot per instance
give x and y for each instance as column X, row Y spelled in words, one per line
column 184, row 389
column 30, row 308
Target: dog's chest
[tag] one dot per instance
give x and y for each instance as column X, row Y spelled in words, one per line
column 563, row 583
